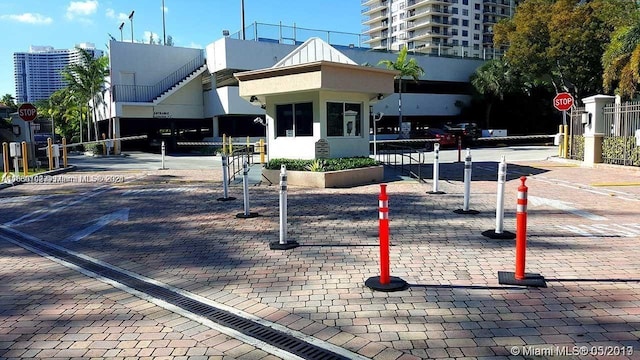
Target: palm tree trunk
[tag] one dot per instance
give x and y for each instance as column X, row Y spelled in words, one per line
column 487, row 115
column 88, row 123
column 95, row 119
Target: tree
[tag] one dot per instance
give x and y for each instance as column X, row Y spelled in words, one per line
column 407, row 68
column 86, row 80
column 621, row 62
column 9, row 101
column 492, row 81
column 169, row 40
column 561, row 41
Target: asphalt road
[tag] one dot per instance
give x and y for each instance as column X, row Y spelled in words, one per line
column 148, row 161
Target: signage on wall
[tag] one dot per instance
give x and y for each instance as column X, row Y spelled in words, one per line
column 161, row 114
column 322, row 149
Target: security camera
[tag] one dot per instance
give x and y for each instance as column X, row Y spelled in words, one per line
column 378, row 116
column 259, row 120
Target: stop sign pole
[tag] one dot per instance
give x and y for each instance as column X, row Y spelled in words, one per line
column 563, row 102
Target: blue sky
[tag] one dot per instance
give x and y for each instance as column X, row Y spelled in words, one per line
column 191, row 23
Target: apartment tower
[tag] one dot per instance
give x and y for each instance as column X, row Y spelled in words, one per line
column 37, row 73
column 441, row 27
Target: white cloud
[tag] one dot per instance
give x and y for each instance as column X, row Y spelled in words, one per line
column 111, row 14
column 195, row 46
column 81, row 8
column 29, row 18
column 165, row 9
column 147, row 36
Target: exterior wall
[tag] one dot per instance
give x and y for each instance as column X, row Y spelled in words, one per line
column 149, row 63
column 230, row 102
column 304, row 147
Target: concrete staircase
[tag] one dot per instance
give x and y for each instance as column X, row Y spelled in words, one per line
column 180, row 84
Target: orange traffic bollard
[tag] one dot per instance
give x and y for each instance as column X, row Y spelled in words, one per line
column 25, row 159
column 519, row 277
column 384, row 282
column 521, row 229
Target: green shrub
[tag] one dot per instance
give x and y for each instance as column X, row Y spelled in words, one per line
column 95, row 149
column 322, row 165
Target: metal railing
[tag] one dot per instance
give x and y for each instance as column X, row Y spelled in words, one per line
column 237, row 158
column 576, row 134
column 621, row 121
column 403, row 158
column 148, row 93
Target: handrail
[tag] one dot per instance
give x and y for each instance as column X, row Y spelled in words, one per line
column 404, row 152
column 147, row 93
column 236, row 161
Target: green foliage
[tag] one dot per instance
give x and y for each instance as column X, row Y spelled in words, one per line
column 94, row 148
column 563, row 41
column 9, row 101
column 576, row 147
column 317, row 165
column 616, row 149
column 327, row 164
column 621, row 62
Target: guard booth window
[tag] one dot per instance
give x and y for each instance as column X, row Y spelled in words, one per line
column 344, row 119
column 294, row 119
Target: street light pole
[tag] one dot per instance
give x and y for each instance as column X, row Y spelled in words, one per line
column 120, row 28
column 131, row 19
column 164, row 33
column 242, row 18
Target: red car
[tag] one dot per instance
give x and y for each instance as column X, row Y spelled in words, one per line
column 444, row 138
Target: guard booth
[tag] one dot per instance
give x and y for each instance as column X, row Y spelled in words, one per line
column 317, row 102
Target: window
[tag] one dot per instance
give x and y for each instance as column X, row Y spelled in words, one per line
column 344, row 119
column 465, row 2
column 465, row 33
column 477, row 6
column 465, row 12
column 454, row 10
column 465, row 22
column 465, row 43
column 294, row 119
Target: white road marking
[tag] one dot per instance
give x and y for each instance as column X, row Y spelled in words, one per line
column 120, row 215
column 564, row 206
column 158, row 191
column 600, row 230
column 17, row 199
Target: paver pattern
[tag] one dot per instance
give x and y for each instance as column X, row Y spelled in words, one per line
column 179, row 234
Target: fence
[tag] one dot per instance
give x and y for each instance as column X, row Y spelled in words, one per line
column 621, row 121
column 405, row 159
column 576, row 134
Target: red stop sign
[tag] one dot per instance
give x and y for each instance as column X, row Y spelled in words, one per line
column 27, row 112
column 563, row 101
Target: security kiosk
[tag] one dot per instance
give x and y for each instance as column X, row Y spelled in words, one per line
column 15, row 151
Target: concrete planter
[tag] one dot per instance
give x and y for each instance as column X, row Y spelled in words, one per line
column 329, row 179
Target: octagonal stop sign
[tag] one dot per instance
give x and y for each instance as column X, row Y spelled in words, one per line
column 563, row 101
column 27, row 112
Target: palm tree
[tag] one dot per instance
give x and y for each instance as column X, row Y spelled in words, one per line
column 407, row 68
column 10, row 101
column 492, row 81
column 86, row 80
column 621, row 62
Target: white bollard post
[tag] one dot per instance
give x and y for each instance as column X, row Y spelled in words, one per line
column 502, row 178
column 467, row 179
column 467, row 186
column 283, row 244
column 162, row 150
column 499, row 232
column 283, row 204
column 16, row 165
column 225, row 179
column 245, row 184
column 436, row 169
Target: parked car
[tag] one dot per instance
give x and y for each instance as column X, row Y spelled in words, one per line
column 444, row 138
column 468, row 131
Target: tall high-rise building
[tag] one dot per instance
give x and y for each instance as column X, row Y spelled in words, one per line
column 446, row 27
column 37, row 73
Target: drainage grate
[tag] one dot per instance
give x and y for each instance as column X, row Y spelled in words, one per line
column 257, row 331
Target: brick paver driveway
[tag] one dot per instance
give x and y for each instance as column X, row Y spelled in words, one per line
column 583, row 237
